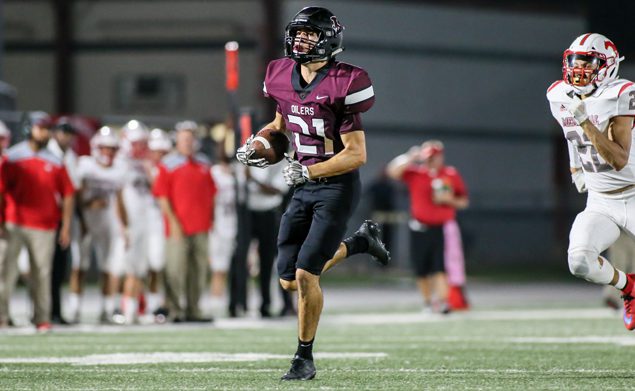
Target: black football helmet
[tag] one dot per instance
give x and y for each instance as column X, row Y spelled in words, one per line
column 330, row 34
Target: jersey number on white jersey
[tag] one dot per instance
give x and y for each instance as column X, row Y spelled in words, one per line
column 589, row 156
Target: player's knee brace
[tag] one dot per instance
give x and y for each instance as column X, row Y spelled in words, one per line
column 589, row 265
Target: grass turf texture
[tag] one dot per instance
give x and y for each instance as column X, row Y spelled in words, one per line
column 450, row 353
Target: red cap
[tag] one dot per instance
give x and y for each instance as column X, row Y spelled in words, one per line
column 431, row 148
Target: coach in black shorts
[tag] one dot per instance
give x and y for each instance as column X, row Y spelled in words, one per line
column 319, row 105
column 426, row 249
column 436, row 192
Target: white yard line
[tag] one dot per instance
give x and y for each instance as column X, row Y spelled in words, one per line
column 591, row 339
column 174, row 357
column 419, row 317
column 508, row 371
column 352, row 319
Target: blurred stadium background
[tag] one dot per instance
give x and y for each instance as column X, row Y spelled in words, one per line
column 471, row 73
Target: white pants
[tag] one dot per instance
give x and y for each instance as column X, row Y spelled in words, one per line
column 221, row 250
column 136, row 255
column 595, row 229
column 99, row 244
column 156, row 244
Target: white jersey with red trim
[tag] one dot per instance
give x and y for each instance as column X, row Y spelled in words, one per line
column 101, row 182
column 617, row 98
column 136, row 191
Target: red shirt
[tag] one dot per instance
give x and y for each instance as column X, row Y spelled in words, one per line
column 34, row 184
column 188, row 185
column 420, row 181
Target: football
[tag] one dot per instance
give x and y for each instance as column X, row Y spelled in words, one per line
column 270, row 144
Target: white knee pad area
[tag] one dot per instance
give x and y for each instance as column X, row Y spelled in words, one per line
column 586, row 264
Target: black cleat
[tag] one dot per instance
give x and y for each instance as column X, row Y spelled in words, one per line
column 371, row 232
column 301, row 369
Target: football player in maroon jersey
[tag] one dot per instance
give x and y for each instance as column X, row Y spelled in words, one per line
column 319, row 105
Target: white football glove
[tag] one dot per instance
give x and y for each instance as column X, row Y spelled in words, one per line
column 244, row 153
column 295, row 173
column 578, row 109
column 578, row 180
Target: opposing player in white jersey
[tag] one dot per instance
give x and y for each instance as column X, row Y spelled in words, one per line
column 159, row 145
column 595, row 109
column 103, row 216
column 138, row 200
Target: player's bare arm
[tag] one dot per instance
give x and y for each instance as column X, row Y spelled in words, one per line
column 121, row 209
column 614, row 145
column 398, row 165
column 350, row 158
column 278, row 124
column 451, row 199
column 175, row 227
column 79, row 210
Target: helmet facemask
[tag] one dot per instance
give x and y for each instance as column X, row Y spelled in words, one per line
column 304, row 42
column 294, row 44
column 591, row 61
column 583, row 69
column 104, row 146
column 105, row 155
column 329, row 36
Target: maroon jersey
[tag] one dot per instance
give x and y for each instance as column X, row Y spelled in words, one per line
column 319, row 113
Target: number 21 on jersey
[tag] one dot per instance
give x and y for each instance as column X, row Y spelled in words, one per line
column 317, row 125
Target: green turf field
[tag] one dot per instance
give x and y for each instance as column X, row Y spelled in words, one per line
column 489, row 350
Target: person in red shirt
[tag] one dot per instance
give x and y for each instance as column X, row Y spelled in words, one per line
column 33, row 184
column 436, row 192
column 185, row 190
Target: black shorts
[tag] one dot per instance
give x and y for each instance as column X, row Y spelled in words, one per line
column 427, row 251
column 314, row 223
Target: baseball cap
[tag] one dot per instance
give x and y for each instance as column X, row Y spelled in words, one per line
column 41, row 119
column 431, row 148
column 64, row 124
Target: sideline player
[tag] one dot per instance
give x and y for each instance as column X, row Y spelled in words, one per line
column 103, row 218
column 222, row 236
column 595, row 109
column 319, row 103
column 159, row 145
column 138, row 201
